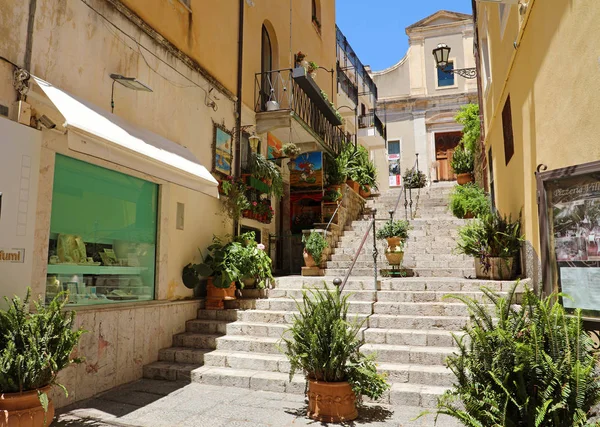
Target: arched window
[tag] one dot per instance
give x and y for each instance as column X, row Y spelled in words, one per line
column 266, row 66
column 316, row 13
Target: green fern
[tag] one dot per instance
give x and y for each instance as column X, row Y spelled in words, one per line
column 531, row 365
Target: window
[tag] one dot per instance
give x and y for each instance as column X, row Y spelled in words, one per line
column 102, row 235
column 394, row 148
column 485, row 57
column 491, row 172
column 445, row 78
column 316, row 14
column 266, row 66
column 507, row 130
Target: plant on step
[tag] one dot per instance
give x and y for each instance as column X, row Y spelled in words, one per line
column 324, row 344
column 220, row 263
column 394, row 228
column 414, row 178
column 264, row 169
column 463, row 160
column 335, row 169
column 314, row 245
column 253, row 263
column 469, row 199
column 528, row 365
column 35, row 345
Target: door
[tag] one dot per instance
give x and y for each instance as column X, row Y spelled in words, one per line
column 266, row 66
column 445, row 144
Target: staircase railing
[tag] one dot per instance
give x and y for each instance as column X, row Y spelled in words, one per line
column 371, row 227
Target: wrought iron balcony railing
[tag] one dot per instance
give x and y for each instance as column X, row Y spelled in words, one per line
column 348, row 86
column 372, row 120
column 350, row 60
column 294, row 90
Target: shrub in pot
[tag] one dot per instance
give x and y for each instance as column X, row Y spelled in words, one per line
column 34, row 347
column 314, row 245
column 394, row 231
column 220, row 268
column 468, row 201
column 252, row 262
column 265, row 170
column 324, row 344
column 414, row 179
column 522, row 365
column 463, row 163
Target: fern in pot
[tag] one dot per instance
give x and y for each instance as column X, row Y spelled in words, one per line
column 34, row 347
column 323, row 343
column 314, row 247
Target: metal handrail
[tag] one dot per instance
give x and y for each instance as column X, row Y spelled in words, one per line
column 357, row 254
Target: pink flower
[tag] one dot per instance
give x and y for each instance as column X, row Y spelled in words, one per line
column 261, row 246
column 254, row 204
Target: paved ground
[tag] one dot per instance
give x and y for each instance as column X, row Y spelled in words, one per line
column 151, row 403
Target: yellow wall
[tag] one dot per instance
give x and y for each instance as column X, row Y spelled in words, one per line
column 209, row 34
column 553, row 81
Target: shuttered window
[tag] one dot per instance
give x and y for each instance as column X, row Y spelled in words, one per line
column 507, row 129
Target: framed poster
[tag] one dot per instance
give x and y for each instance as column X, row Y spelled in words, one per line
column 570, row 235
column 222, row 150
column 306, row 172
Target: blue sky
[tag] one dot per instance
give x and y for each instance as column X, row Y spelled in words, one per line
column 375, row 28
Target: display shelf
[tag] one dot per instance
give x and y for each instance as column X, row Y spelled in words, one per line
column 93, row 269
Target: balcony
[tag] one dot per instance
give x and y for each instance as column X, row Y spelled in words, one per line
column 371, row 129
column 348, row 88
column 290, row 105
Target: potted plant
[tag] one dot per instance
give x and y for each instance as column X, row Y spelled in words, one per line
column 347, row 162
column 395, row 254
column 301, row 60
column 324, row 344
column 414, row 178
column 236, row 201
column 335, row 173
column 366, row 176
column 314, row 245
column 469, row 201
column 253, row 262
column 394, row 231
column 333, row 195
column 463, row 163
column 291, row 150
column 495, row 242
column 522, row 363
column 34, row 347
column 266, row 170
column 312, row 69
column 220, row 268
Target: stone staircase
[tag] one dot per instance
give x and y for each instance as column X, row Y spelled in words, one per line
column 408, row 324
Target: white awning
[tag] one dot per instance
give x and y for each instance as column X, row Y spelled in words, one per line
column 101, row 134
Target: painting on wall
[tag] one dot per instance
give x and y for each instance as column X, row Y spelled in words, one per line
column 306, row 172
column 222, row 150
column 274, row 147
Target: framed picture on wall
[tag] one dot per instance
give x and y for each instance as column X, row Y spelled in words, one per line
column 222, row 150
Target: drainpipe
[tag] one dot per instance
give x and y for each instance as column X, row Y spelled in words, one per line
column 483, row 156
column 238, row 107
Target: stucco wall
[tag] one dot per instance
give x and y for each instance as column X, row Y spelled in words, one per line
column 551, row 84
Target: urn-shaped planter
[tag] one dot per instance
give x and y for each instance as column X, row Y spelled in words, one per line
column 393, row 241
column 331, row 402
column 25, row 409
column 464, row 178
column 394, row 258
column 309, row 261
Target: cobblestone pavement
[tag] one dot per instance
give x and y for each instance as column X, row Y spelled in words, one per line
column 151, row 403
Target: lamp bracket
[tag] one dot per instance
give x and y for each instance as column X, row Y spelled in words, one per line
column 467, row 73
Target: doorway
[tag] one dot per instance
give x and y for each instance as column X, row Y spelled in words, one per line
column 445, row 144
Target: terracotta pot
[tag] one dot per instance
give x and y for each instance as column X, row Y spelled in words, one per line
column 309, row 260
column 338, row 189
column 249, row 282
column 480, row 271
column 220, row 293
column 468, row 215
column 393, row 241
column 331, row 402
column 353, row 185
column 394, row 258
column 25, row 409
column 501, row 268
column 464, row 178
column 365, row 193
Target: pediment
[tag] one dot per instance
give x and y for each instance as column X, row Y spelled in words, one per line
column 442, row 17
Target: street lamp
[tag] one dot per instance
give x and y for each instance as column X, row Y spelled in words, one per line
column 441, row 54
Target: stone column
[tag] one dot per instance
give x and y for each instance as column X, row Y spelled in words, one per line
column 421, row 143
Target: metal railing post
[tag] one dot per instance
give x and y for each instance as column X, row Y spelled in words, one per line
column 417, row 154
column 375, row 253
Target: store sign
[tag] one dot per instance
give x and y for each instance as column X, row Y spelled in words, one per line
column 12, row 255
column 573, row 223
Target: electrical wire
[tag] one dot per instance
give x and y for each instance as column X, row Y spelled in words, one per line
column 147, row 50
column 10, row 62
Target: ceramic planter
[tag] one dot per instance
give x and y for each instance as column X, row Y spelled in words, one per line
column 469, row 215
column 394, row 258
column 393, row 241
column 25, row 409
column 353, row 185
column 220, row 293
column 309, row 260
column 480, row 271
column 365, row 193
column 331, row 402
column 501, row 268
column 464, row 178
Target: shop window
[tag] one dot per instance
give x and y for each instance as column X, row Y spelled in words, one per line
column 507, row 130
column 445, row 78
column 102, row 235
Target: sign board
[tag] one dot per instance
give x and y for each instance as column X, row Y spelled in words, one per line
column 12, row 255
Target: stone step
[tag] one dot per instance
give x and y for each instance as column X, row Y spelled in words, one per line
column 353, row 295
column 206, row 326
column 169, row 371
column 407, row 257
column 403, row 322
column 426, row 296
column 447, row 284
column 185, row 355
column 228, row 315
column 195, row 340
column 251, row 361
column 422, row 308
column 417, row 374
column 410, row 337
column 420, row 272
column 355, row 241
column 301, row 282
column 259, row 329
column 408, row 354
column 414, row 249
column 382, row 263
column 287, row 304
column 280, row 317
column 408, row 394
column 249, row 343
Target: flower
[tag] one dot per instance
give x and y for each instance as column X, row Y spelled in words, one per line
column 261, row 246
column 254, row 204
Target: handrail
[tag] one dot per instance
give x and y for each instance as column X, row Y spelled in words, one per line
column 357, row 254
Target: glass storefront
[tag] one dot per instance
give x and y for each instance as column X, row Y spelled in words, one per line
column 102, row 235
